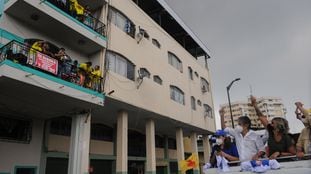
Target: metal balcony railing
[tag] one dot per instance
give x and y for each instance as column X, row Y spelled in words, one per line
column 23, row 54
column 86, row 18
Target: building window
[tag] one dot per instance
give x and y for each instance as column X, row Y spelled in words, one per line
column 193, row 106
column 12, row 129
column 156, row 43
column 208, row 112
column 25, row 170
column 174, row 61
column 101, row 132
column 157, row 79
column 177, row 95
column 199, row 103
column 143, row 72
column 204, row 85
column 120, row 65
column 172, row 143
column 190, row 73
column 196, row 74
column 159, row 141
column 61, row 126
column 121, row 21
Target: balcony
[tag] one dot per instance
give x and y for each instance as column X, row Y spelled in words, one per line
column 85, row 34
column 22, row 67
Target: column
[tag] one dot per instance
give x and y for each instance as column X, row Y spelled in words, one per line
column 194, row 147
column 150, row 148
column 122, row 126
column 166, row 154
column 180, row 147
column 206, row 149
column 79, row 144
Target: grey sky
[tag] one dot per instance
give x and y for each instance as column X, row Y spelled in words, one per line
column 267, row 43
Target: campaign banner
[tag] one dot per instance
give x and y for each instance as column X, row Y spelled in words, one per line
column 46, row 63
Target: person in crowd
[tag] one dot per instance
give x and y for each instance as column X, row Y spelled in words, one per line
column 223, row 147
column 249, row 144
column 61, row 57
column 85, row 70
column 46, row 49
column 96, row 76
column 279, row 142
column 303, row 144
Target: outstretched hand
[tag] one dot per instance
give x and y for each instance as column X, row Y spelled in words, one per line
column 253, row 101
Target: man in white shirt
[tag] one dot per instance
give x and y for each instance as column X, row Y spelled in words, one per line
column 249, row 144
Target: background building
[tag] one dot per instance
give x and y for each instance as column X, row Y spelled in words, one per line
column 155, row 89
column 269, row 106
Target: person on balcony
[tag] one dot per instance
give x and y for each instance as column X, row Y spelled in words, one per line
column 84, row 72
column 61, row 56
column 303, row 145
column 249, row 144
column 96, row 78
column 75, row 8
column 279, row 141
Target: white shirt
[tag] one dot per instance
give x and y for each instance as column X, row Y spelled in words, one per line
column 247, row 146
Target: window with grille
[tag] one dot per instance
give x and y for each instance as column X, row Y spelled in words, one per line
column 14, row 129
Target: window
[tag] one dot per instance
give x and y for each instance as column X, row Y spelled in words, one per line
column 157, row 79
column 101, row 132
column 159, row 141
column 13, row 129
column 143, row 72
column 122, row 22
column 199, row 103
column 174, row 61
column 204, row 85
column 190, row 73
column 120, row 65
column 193, row 103
column 171, row 143
column 177, row 95
column 156, row 43
column 208, row 111
column 61, row 126
column 196, row 74
column 25, row 170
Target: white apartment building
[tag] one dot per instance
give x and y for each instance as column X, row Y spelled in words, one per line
column 269, row 106
column 154, row 91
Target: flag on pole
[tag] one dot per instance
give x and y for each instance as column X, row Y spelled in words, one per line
column 191, row 163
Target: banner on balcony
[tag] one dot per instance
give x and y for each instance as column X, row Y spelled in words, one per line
column 46, row 63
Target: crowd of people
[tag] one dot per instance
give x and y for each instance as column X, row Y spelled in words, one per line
column 243, row 144
column 82, row 74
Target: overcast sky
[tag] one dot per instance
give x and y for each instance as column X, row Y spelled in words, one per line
column 267, row 43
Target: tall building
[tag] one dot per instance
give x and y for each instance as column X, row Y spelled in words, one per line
column 153, row 90
column 269, row 106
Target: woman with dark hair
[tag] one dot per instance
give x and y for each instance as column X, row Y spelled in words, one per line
column 223, row 147
column 279, row 141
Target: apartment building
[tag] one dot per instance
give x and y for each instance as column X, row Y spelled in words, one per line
column 269, row 106
column 154, row 88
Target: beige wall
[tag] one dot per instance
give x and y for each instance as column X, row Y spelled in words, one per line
column 19, row 154
column 58, row 143
column 159, row 153
column 150, row 95
column 172, row 154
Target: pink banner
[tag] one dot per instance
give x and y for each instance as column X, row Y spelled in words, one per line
column 46, row 63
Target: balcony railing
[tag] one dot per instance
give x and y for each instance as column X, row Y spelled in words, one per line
column 85, row 18
column 23, row 54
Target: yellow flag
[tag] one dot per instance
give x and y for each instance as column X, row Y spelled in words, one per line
column 191, row 163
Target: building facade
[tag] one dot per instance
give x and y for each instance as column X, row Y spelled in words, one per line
column 153, row 92
column 269, row 106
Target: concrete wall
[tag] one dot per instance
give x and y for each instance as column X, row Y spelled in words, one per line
column 150, row 95
column 18, row 154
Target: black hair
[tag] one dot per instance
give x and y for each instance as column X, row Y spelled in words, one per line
column 244, row 120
